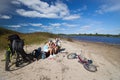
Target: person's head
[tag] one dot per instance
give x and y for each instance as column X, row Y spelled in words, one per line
column 50, row 41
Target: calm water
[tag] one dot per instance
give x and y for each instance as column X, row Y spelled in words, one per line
column 108, row 40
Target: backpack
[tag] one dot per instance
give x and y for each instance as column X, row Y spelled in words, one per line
column 13, row 37
column 36, row 53
column 17, row 45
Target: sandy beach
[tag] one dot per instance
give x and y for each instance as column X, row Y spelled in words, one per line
column 105, row 57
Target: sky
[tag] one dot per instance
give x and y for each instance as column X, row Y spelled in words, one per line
column 61, row 16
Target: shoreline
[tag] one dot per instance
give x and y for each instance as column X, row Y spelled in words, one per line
column 98, row 43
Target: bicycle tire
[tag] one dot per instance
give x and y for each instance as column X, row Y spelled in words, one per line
column 17, row 60
column 7, row 61
column 72, row 56
column 90, row 67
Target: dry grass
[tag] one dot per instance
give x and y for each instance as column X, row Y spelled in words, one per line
column 31, row 38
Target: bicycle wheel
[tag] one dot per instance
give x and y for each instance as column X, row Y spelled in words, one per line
column 7, row 55
column 72, row 56
column 17, row 60
column 90, row 67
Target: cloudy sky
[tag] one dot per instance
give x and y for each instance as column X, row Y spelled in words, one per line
column 61, row 16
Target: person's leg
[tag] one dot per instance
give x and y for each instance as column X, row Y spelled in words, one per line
column 51, row 51
column 54, row 52
column 56, row 49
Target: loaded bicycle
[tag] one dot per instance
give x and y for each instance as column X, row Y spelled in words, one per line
column 8, row 58
column 15, row 49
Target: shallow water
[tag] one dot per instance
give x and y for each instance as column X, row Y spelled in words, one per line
column 108, row 40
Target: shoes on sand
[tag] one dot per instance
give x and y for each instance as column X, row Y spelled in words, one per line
column 54, row 55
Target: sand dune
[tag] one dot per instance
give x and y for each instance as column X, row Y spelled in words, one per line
column 105, row 57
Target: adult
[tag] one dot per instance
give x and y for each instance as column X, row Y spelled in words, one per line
column 49, row 49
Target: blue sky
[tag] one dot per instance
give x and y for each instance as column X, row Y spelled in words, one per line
column 61, row 16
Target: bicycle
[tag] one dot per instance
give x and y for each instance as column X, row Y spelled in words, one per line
column 8, row 57
column 15, row 48
column 87, row 64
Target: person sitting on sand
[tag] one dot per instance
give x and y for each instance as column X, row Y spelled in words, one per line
column 58, row 41
column 57, row 44
column 49, row 47
column 53, row 47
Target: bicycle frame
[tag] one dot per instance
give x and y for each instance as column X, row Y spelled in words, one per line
column 82, row 61
column 8, row 58
column 9, row 50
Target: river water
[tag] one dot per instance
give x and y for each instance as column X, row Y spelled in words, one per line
column 108, row 40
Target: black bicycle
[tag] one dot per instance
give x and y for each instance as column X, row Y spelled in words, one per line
column 88, row 64
column 9, row 56
column 15, row 51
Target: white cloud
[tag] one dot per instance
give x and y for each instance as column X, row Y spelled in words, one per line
column 86, row 27
column 42, row 9
column 69, row 25
column 51, row 27
column 27, row 24
column 58, row 25
column 109, row 7
column 5, row 17
column 24, row 24
column 15, row 2
column 63, row 29
column 36, row 24
column 15, row 26
column 82, row 9
column 55, row 24
column 71, row 17
column 25, row 13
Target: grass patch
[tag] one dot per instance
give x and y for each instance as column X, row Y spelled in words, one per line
column 31, row 38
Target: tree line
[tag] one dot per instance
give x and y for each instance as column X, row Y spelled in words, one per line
column 96, row 34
